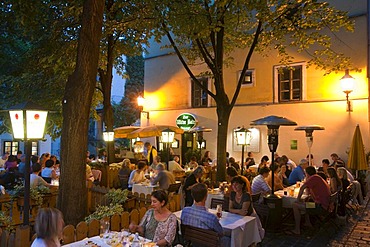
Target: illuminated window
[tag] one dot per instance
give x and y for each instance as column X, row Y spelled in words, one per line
column 289, row 83
column 249, row 78
column 11, row 147
column 199, row 97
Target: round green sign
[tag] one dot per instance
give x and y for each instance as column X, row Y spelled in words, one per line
column 186, row 121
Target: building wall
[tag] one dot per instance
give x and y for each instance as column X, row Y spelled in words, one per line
column 168, row 94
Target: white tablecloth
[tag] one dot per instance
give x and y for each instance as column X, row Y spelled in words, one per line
column 102, row 242
column 216, row 194
column 142, row 188
column 244, row 229
column 287, row 199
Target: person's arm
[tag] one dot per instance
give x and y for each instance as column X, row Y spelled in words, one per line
column 156, row 179
column 303, row 187
column 131, row 178
column 54, row 174
column 243, row 211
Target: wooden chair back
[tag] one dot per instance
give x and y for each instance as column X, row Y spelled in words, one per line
column 200, row 237
column 174, row 188
column 123, row 180
column 216, row 201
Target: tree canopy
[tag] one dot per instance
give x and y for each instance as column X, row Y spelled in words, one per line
column 209, row 31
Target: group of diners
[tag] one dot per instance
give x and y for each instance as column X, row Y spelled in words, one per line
column 42, row 169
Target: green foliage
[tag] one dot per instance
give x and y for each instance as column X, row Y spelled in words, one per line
column 6, row 221
column 104, row 211
column 190, row 153
column 117, row 196
column 36, row 193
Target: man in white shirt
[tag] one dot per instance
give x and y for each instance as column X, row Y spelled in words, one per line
column 173, row 165
column 3, row 159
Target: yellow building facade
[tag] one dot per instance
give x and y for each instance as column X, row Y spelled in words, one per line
column 168, row 93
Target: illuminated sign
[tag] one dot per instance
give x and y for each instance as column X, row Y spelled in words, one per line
column 186, row 121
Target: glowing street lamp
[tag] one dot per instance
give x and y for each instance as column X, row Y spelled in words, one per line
column 168, row 136
column 28, row 124
column 108, row 136
column 347, row 82
column 243, row 137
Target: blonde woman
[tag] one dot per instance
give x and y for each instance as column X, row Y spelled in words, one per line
column 49, row 228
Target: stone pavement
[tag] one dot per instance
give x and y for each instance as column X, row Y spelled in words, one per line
column 356, row 232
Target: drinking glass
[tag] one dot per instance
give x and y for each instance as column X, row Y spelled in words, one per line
column 104, row 228
column 219, row 210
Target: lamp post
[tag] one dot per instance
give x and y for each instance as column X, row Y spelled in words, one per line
column 243, row 137
column 273, row 123
column 28, row 124
column 108, row 136
column 309, row 136
column 347, row 82
column 168, row 136
column 141, row 103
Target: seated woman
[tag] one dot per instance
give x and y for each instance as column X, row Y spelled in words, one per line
column 49, row 227
column 137, row 176
column 159, row 223
column 240, row 200
column 124, row 173
column 278, row 183
column 335, row 182
column 48, row 171
column 264, row 163
column 282, row 175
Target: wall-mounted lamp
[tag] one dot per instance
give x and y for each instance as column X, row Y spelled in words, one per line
column 141, row 103
column 347, row 82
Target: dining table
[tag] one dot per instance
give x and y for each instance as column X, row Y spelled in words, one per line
column 145, row 188
column 289, row 195
column 112, row 239
column 243, row 229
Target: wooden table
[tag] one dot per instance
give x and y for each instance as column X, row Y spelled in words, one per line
column 288, row 200
column 244, row 229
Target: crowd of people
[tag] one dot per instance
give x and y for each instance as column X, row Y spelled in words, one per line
column 42, row 169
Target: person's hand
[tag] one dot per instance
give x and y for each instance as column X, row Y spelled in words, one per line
column 132, row 227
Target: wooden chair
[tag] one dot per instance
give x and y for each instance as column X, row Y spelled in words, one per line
column 47, row 179
column 215, row 202
column 174, row 188
column 261, row 209
column 200, row 237
column 329, row 215
column 256, row 197
column 124, row 181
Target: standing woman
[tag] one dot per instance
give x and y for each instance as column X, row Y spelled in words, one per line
column 49, row 228
column 240, row 200
column 206, row 159
column 190, row 181
column 335, row 182
column 159, row 223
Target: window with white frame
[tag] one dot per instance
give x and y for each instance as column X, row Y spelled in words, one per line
column 249, row 78
column 199, row 97
column 289, row 83
column 11, row 147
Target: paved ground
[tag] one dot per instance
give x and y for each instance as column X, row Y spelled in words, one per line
column 356, row 232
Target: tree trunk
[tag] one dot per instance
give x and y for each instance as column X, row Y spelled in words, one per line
column 72, row 198
column 223, row 115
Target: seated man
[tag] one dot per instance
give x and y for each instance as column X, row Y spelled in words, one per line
column 297, row 174
column 35, row 179
column 164, row 178
column 198, row 216
column 174, row 165
column 319, row 192
column 259, row 184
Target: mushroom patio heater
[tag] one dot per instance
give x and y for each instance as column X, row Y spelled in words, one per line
column 309, row 136
column 273, row 123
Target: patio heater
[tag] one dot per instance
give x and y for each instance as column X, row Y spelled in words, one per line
column 168, row 136
column 273, row 123
column 28, row 124
column 108, row 136
column 309, row 136
column 243, row 137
